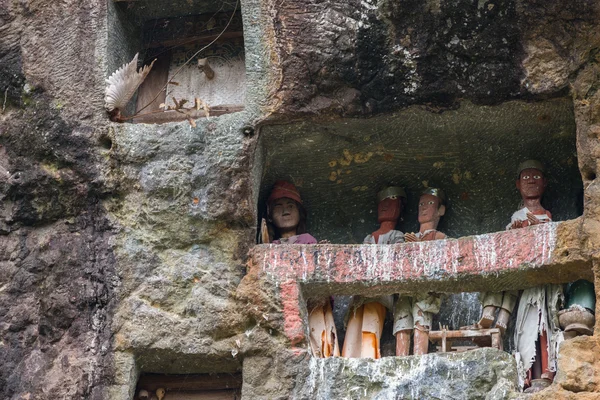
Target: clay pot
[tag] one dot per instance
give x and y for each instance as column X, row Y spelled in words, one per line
column 578, row 320
column 538, row 385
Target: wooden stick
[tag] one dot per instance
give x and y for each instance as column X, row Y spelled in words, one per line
column 204, row 395
column 151, row 382
column 194, row 40
column 437, row 335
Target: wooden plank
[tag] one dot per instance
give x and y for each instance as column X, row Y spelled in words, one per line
column 174, row 116
column 154, row 82
column 204, row 395
column 458, row 349
column 205, row 39
column 151, row 382
column 466, row 334
column 497, row 341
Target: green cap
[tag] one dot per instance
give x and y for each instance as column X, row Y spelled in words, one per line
column 535, row 164
column 390, row 191
column 439, row 193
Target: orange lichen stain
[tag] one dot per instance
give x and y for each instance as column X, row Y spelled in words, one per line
column 346, row 159
column 468, row 175
column 456, row 177
column 339, row 181
column 388, row 157
column 332, row 163
column 348, row 171
column 438, row 164
column 464, row 196
column 419, row 157
column 501, row 171
column 570, row 161
column 196, row 200
column 425, row 183
column 359, row 188
column 333, row 176
column 361, row 158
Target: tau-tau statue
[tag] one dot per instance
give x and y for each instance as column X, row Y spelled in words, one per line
column 367, row 315
column 531, row 184
column 537, row 333
column 287, row 225
column 417, row 311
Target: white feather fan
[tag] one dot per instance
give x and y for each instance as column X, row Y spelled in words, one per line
column 123, row 83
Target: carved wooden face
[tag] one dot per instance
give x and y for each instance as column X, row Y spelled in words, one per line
column 285, row 214
column 389, row 209
column 531, row 183
column 429, row 209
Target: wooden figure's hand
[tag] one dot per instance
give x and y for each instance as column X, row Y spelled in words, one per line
column 533, row 220
column 516, row 225
column 410, row 237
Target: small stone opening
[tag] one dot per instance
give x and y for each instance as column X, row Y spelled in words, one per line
column 105, row 142
column 199, row 51
column 189, row 387
column 186, row 376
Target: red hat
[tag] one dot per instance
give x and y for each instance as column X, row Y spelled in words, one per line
column 283, row 189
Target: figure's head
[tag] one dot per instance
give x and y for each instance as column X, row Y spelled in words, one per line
column 432, row 205
column 285, row 209
column 531, row 181
column 390, row 201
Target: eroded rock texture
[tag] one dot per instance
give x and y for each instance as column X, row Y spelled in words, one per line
column 481, row 374
column 57, row 269
column 123, row 247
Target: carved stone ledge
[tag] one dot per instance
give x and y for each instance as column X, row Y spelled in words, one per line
column 498, row 261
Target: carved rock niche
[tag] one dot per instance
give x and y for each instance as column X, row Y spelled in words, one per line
column 199, row 52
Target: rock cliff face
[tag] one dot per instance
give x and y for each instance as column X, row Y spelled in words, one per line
column 123, row 247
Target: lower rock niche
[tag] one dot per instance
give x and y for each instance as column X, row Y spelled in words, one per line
column 189, row 387
column 479, row 374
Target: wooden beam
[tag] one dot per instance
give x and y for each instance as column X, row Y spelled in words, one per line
column 174, row 116
column 151, row 382
column 466, row 334
column 204, row 395
column 205, row 39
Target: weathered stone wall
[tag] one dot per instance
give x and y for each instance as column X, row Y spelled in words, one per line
column 123, row 248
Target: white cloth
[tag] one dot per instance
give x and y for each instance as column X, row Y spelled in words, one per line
column 418, row 308
column 391, row 237
column 538, row 312
column 521, row 215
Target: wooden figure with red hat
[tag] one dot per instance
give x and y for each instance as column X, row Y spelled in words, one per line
column 287, row 225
